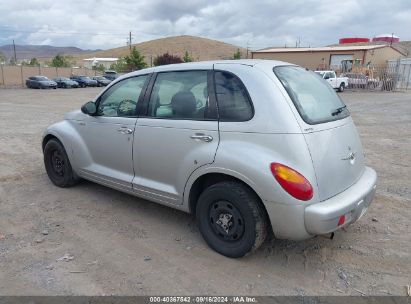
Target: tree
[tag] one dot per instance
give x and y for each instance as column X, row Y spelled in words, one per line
column 132, row 62
column 187, row 57
column 120, row 65
column 34, row 62
column 61, row 61
column 167, row 59
column 99, row 67
column 237, row 54
column 3, row 58
column 135, row 61
column 12, row 61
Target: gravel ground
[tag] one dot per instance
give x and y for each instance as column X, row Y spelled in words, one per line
column 91, row 240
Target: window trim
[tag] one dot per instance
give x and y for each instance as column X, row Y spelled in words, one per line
column 140, row 97
column 246, row 91
column 142, row 110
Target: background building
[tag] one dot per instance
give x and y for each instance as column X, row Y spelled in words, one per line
column 106, row 62
column 324, row 57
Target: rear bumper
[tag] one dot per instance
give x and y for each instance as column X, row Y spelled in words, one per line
column 299, row 222
column 322, row 218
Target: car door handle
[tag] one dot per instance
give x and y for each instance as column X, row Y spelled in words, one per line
column 125, row 130
column 203, row 137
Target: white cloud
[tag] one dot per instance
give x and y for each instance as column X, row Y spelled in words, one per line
column 106, row 23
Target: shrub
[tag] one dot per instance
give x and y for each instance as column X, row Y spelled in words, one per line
column 167, row 59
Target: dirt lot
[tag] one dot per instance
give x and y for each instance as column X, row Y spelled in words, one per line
column 127, row 246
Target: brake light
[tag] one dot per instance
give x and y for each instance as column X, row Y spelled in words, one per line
column 293, row 182
column 341, row 220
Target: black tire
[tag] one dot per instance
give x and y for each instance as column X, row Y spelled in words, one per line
column 231, row 219
column 342, row 87
column 57, row 165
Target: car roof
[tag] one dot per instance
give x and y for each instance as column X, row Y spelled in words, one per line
column 200, row 65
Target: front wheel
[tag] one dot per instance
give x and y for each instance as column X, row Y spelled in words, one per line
column 231, row 219
column 57, row 165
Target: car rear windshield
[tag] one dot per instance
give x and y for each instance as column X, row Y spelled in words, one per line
column 314, row 98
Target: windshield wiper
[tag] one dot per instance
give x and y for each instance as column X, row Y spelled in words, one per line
column 338, row 110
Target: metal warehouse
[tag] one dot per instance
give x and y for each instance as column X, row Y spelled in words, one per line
column 324, row 57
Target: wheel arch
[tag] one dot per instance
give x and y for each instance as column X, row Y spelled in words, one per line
column 46, row 139
column 207, row 179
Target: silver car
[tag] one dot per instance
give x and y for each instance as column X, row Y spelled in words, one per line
column 249, row 147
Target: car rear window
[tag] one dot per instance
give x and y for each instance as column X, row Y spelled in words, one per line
column 314, row 98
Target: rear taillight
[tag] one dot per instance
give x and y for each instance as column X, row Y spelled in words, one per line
column 293, row 182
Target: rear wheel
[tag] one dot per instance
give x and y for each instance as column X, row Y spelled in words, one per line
column 231, row 218
column 57, row 165
column 341, row 88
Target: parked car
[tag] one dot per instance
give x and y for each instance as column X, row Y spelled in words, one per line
column 243, row 145
column 101, row 81
column 335, row 82
column 64, row 82
column 84, row 81
column 40, row 82
column 111, row 75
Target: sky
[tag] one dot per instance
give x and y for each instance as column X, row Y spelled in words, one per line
column 103, row 24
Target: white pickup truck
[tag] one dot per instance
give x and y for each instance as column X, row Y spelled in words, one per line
column 339, row 83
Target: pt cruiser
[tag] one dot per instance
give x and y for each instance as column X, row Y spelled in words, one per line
column 247, row 146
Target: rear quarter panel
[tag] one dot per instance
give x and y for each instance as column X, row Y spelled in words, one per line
column 247, row 149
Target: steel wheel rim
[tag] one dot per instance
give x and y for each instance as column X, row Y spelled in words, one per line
column 226, row 221
column 57, row 163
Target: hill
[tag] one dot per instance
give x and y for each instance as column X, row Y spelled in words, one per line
column 199, row 49
column 406, row 45
column 41, row 52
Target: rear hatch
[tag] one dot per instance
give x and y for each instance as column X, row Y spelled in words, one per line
column 328, row 129
column 337, row 158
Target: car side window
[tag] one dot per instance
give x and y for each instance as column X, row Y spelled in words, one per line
column 179, row 95
column 120, row 100
column 233, row 100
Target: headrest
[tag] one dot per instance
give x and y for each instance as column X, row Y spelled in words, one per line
column 183, row 104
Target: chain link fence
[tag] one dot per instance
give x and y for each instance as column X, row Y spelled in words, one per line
column 393, row 76
column 12, row 76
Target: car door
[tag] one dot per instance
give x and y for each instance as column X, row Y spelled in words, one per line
column 176, row 133
column 328, row 78
column 333, row 80
column 108, row 135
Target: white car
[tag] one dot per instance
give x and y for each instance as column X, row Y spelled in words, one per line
column 244, row 145
column 339, row 83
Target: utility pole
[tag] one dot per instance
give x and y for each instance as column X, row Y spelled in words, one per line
column 129, row 41
column 14, row 49
column 247, row 48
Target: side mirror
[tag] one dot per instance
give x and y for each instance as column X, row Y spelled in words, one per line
column 89, row 108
